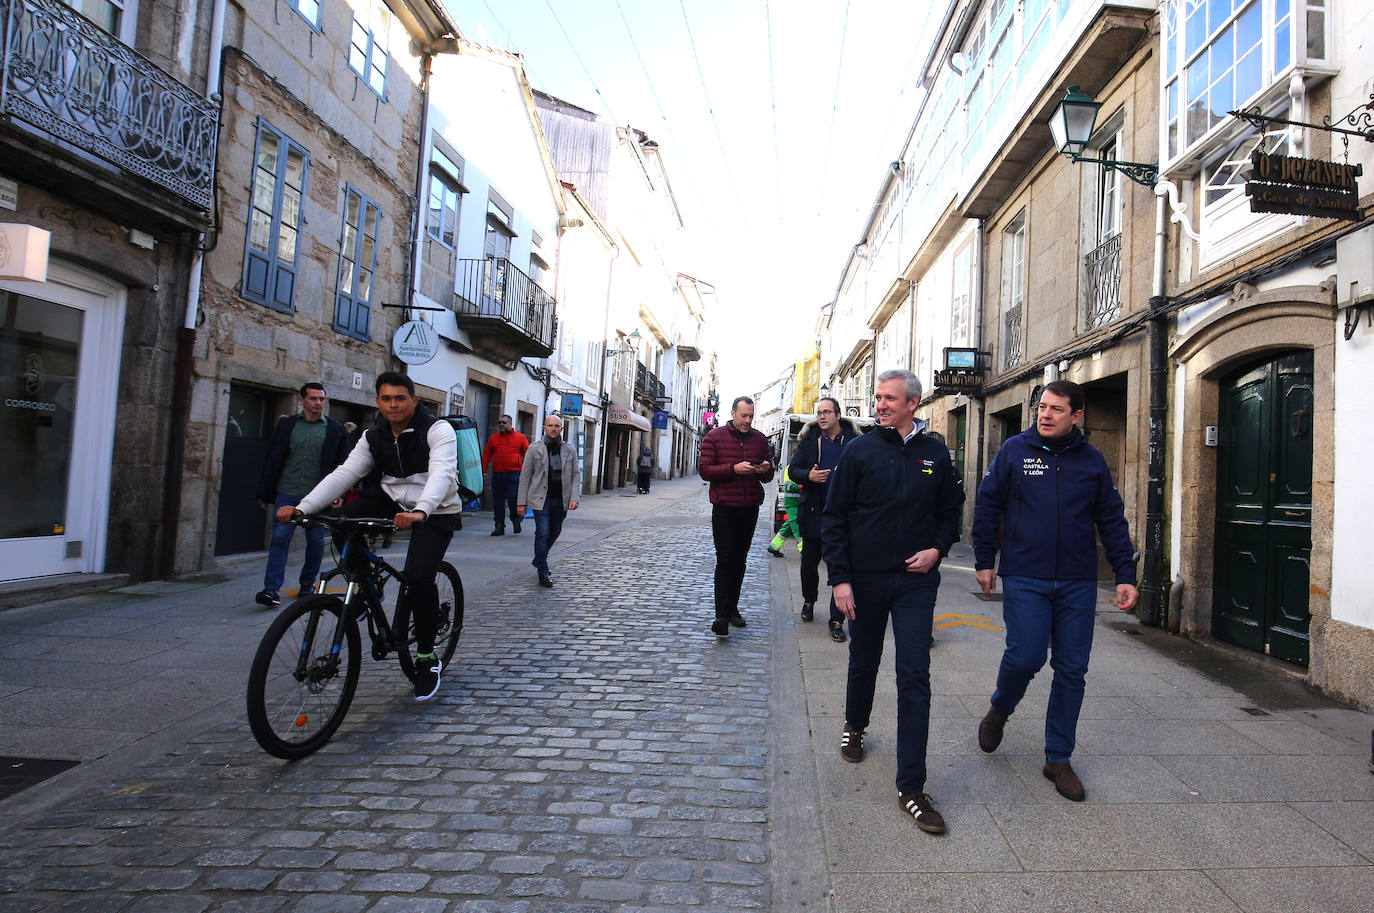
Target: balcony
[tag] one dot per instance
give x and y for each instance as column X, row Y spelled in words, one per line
column 1013, row 348
column 648, row 387
column 75, row 85
column 1102, row 284
column 503, row 310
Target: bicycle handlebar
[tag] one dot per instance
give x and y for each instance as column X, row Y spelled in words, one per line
column 346, row 524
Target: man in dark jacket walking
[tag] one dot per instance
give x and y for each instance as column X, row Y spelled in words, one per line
column 890, row 517
column 1050, row 492
column 816, row 455
column 303, row 449
column 735, row 460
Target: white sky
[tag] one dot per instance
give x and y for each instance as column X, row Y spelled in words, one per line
column 772, row 210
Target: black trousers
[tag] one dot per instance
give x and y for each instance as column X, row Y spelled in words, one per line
column 732, row 528
column 428, row 543
column 811, row 574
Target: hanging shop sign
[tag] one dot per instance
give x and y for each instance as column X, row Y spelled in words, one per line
column 962, row 372
column 1304, row 187
column 415, row 342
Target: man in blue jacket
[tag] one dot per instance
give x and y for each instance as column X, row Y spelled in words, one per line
column 892, row 512
column 1051, row 493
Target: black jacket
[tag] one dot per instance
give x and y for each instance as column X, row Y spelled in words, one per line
column 334, row 452
column 888, row 500
column 807, row 455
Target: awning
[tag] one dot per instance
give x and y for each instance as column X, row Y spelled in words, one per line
column 619, row 415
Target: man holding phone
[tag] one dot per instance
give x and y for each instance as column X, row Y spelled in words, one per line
column 734, row 459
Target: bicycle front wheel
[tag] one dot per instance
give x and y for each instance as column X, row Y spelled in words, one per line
column 298, row 689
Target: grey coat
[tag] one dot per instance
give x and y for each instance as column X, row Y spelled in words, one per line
column 534, row 475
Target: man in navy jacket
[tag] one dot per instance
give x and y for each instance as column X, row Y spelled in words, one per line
column 1051, row 493
column 891, row 514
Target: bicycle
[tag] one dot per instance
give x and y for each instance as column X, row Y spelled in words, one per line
column 304, row 674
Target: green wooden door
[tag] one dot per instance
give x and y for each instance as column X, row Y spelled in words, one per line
column 1264, row 507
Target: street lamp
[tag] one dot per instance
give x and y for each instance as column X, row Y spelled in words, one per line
column 632, row 339
column 1071, row 126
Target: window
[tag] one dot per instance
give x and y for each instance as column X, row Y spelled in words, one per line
column 1222, row 55
column 357, row 264
column 1227, row 225
column 108, row 14
column 444, row 192
column 565, row 346
column 1108, row 195
column 369, row 44
column 1013, row 290
column 594, row 359
column 960, row 315
column 497, row 244
column 274, row 220
column 309, row 10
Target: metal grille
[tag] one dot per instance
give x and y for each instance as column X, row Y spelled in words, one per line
column 494, row 287
column 1012, row 348
column 1102, row 284
column 73, row 80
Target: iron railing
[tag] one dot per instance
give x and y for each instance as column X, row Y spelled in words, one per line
column 1013, row 349
column 72, row 79
column 647, row 383
column 498, row 289
column 1102, row 284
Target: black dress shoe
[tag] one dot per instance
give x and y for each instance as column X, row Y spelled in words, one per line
column 499, row 531
column 721, row 627
column 837, row 632
column 808, row 611
column 990, row 730
column 1066, row 782
column 545, row 579
column 738, row 621
column 515, row 526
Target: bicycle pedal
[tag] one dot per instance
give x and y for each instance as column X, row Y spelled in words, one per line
column 379, row 650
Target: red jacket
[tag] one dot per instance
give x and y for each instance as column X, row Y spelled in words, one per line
column 721, row 449
column 504, row 452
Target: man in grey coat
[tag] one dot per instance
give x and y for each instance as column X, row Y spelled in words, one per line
column 550, row 480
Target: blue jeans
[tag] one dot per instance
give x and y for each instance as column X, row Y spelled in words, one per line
column 1055, row 615
column 909, row 600
column 505, row 486
column 548, row 523
column 281, row 543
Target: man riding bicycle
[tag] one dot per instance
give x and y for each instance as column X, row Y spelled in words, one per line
column 418, row 458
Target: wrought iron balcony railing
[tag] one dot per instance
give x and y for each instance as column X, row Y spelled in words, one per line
column 496, row 290
column 1013, row 349
column 1102, row 284
column 647, row 384
column 68, row 77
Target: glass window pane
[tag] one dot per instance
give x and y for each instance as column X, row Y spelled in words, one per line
column 350, row 240
column 1249, row 28
column 1249, row 75
column 366, row 255
column 264, row 186
column 295, row 167
column 1222, row 53
column 364, row 292
column 1218, row 11
column 1316, row 34
column 1222, row 98
column 267, row 154
column 1197, row 81
column 260, row 231
column 286, row 245
column 1196, row 31
column 1283, row 47
column 39, row 355
column 291, row 207
column 351, row 210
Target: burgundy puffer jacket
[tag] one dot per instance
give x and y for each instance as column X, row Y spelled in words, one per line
column 721, row 449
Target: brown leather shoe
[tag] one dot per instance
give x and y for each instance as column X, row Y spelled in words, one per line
column 1066, row 782
column 990, row 730
column 922, row 811
column 852, row 744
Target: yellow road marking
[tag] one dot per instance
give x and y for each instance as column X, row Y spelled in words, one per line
column 955, row 619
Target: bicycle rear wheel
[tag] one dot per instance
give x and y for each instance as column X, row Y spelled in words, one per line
column 450, row 587
column 298, row 690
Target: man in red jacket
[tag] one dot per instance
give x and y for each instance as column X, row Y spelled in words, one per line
column 504, row 455
column 734, row 459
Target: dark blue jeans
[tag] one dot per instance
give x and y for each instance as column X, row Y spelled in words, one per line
column 909, row 600
column 1041, row 615
column 504, row 488
column 275, row 576
column 548, row 523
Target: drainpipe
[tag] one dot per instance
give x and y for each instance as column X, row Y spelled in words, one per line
column 1152, row 586
column 417, row 241
column 601, row 383
column 186, row 339
column 978, row 344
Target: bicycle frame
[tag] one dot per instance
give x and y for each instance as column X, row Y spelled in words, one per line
column 363, row 588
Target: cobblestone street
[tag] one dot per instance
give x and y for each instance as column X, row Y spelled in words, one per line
column 593, row 748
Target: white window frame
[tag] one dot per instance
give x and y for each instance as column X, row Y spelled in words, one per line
column 1226, row 224
column 370, row 44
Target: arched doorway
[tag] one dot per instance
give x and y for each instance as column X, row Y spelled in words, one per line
column 1264, row 506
